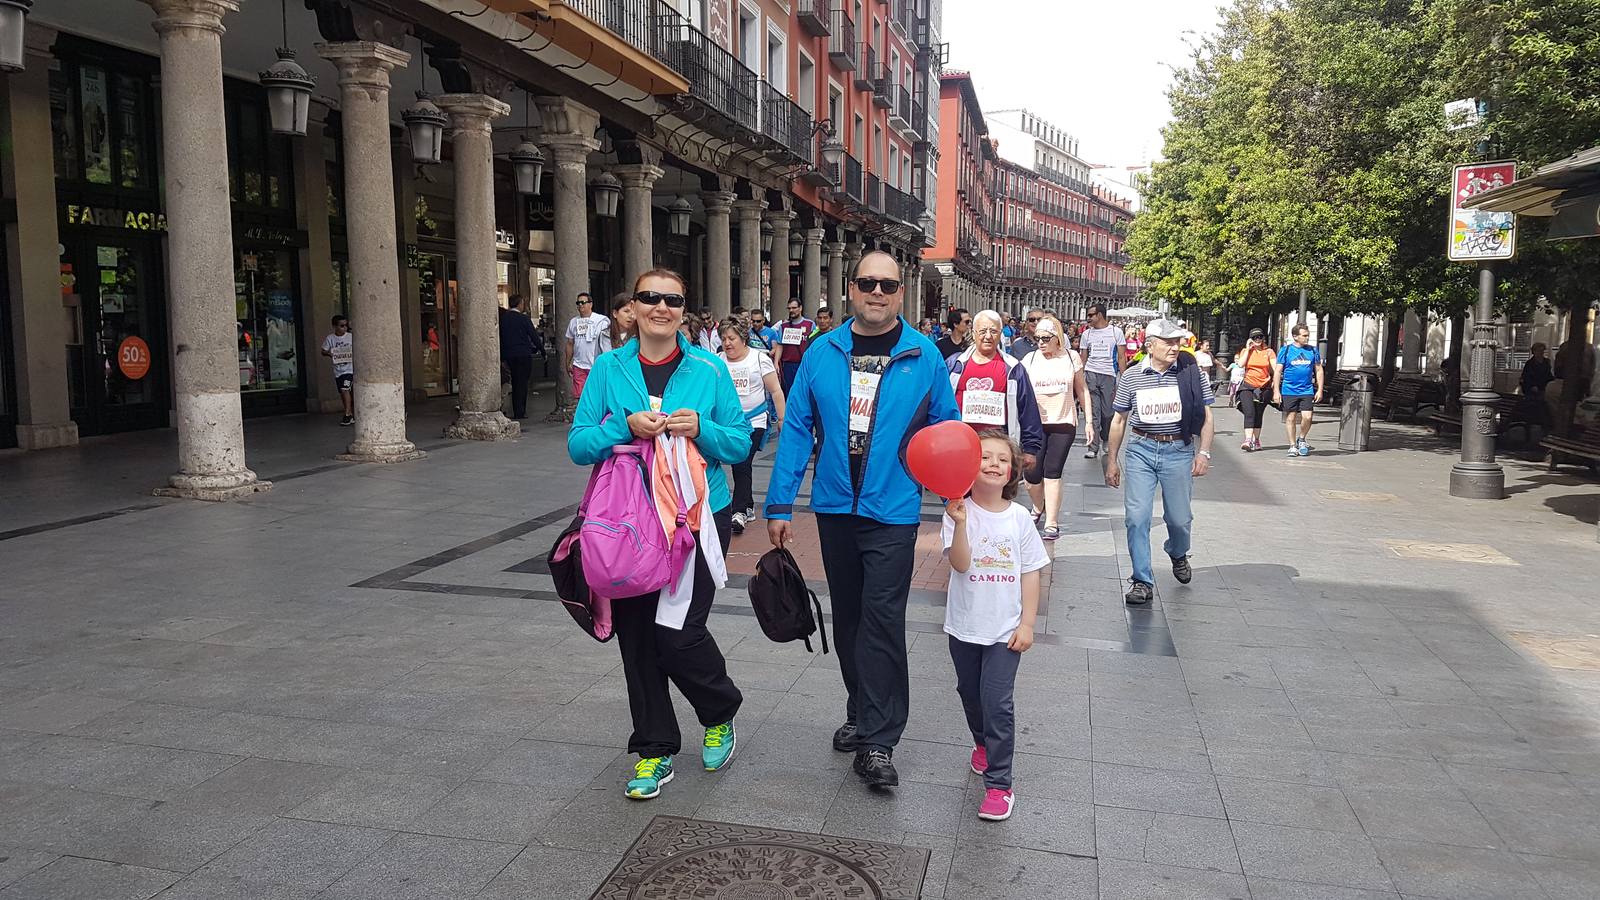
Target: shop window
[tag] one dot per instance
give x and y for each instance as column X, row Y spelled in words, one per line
column 258, row 160
column 333, row 173
column 101, row 123
column 267, row 322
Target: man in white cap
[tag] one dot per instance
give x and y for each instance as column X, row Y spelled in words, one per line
column 1166, row 402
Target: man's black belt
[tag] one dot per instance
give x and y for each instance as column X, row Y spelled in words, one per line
column 1158, row 437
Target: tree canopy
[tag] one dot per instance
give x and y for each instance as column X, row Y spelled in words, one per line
column 1308, row 146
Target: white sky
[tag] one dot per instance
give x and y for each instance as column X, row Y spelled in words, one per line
column 1096, row 68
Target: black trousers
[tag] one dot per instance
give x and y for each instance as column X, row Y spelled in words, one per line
column 743, row 495
column 869, row 566
column 1103, row 389
column 1057, row 442
column 652, row 655
column 1253, row 404
column 521, row 372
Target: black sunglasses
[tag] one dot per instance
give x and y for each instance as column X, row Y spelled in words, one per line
column 1033, row 319
column 651, row 298
column 868, row 285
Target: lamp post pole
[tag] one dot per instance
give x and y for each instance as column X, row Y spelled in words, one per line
column 1477, row 476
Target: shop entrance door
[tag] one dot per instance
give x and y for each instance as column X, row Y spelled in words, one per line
column 436, row 282
column 117, row 360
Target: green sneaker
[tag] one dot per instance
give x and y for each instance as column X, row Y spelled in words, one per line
column 720, row 741
column 649, row 774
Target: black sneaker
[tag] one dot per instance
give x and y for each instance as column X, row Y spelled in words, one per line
column 1139, row 594
column 876, row 768
column 347, row 420
column 844, row 740
column 1181, row 569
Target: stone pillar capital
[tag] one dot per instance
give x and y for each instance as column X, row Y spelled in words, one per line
column 173, row 15
column 781, row 217
column 39, row 39
column 638, row 177
column 717, row 202
column 814, row 235
column 364, row 63
column 471, row 112
column 567, row 117
column 749, row 210
column 835, row 247
column 569, row 149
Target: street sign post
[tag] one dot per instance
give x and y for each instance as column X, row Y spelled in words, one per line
column 1475, row 234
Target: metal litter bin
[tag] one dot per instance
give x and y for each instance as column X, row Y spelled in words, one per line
column 1355, row 415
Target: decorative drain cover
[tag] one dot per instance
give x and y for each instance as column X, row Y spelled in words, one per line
column 692, row 859
column 1359, row 496
column 1469, row 553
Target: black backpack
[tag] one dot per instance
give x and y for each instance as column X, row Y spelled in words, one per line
column 783, row 603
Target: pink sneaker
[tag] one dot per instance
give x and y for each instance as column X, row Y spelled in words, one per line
column 980, row 760
column 996, row 805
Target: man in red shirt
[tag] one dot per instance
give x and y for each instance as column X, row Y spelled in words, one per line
column 794, row 336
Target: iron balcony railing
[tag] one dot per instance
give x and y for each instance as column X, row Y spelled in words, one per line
column 785, row 122
column 813, row 15
column 904, row 207
column 715, row 77
column 841, row 37
column 883, row 88
column 1121, row 258
column 852, row 179
column 902, row 106
column 634, row 21
column 1017, row 272
column 875, row 186
column 866, row 66
column 919, row 119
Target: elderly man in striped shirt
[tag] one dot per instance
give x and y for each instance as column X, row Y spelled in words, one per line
column 1166, row 402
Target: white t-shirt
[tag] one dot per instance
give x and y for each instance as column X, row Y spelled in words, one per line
column 588, row 338
column 983, row 605
column 1101, row 344
column 342, row 347
column 748, row 377
column 1052, row 379
column 1205, row 360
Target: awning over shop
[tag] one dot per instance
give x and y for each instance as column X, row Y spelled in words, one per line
column 1568, row 190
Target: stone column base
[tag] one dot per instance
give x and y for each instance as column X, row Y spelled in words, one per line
column 398, row 452
column 232, row 486
column 482, row 426
column 47, row 435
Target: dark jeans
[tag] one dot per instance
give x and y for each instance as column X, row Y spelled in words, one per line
column 521, row 371
column 690, row 658
column 1103, row 388
column 786, row 373
column 1253, row 404
column 986, row 677
column 869, row 566
column 743, row 497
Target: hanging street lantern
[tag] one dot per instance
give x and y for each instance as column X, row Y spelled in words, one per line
column 926, row 223
column 832, row 153
column 288, row 93
column 528, row 165
column 678, row 217
column 425, row 123
column 766, row 237
column 797, row 244
column 607, row 191
column 13, row 22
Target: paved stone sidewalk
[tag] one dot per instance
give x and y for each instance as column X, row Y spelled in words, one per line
column 354, row 686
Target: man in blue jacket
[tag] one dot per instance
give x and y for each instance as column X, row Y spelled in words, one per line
column 863, row 389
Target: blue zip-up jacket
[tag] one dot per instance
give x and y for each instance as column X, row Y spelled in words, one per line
column 913, row 393
column 616, row 389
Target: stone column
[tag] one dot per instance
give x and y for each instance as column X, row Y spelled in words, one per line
column 319, row 294
column 478, row 415
column 750, row 253
column 719, row 253
column 836, row 278
column 380, row 401
column 1411, row 350
column 569, row 139
column 781, row 222
column 38, row 321
column 811, row 294
column 205, row 374
column 638, row 255
column 852, row 255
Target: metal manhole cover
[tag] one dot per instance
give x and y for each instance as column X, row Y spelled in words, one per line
column 1468, row 553
column 1563, row 651
column 692, row 859
column 1359, row 496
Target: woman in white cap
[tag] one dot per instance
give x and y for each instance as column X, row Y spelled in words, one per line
column 1058, row 388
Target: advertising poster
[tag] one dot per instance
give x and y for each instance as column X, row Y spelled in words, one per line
column 1477, row 234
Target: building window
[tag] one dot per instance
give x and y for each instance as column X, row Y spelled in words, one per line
column 103, row 130
column 806, row 86
column 777, row 59
column 749, row 38
column 836, row 106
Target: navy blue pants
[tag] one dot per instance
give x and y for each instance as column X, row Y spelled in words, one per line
column 986, row 679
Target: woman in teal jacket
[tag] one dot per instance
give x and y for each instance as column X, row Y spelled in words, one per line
column 662, row 384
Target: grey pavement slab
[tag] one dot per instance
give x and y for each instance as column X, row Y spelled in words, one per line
column 380, row 715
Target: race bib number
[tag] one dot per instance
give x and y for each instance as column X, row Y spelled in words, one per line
column 583, row 331
column 983, row 407
column 792, row 337
column 741, row 381
column 1158, row 406
column 655, row 404
column 863, row 394
column 343, row 354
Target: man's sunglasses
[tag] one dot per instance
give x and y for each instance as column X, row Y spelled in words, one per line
column 1033, row 320
column 868, row 285
column 651, row 298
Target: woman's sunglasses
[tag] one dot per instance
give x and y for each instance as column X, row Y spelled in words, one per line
column 651, row 298
column 868, row 285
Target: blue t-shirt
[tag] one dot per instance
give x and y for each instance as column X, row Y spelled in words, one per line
column 1299, row 364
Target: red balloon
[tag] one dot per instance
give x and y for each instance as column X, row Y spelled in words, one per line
column 945, row 458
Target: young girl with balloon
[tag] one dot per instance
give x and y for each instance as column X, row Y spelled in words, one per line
column 992, row 602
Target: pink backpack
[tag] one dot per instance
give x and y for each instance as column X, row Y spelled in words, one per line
column 625, row 552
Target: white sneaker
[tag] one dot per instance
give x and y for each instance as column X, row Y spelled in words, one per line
column 739, row 519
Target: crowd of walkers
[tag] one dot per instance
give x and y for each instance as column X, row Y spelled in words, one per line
column 844, row 402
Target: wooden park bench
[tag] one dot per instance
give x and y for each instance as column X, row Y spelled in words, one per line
column 1508, row 414
column 1581, row 448
column 1410, row 396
